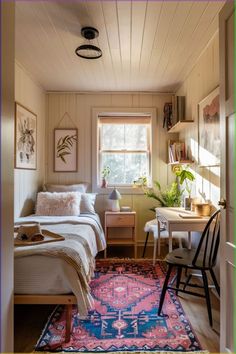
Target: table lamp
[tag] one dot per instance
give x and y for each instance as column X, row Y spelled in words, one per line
column 114, row 197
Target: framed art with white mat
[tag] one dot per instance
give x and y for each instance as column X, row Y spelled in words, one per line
column 25, row 138
column 65, row 150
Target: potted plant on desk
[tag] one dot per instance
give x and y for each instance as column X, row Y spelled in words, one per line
column 169, row 197
column 185, row 176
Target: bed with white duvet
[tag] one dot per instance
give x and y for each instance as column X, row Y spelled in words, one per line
column 40, row 270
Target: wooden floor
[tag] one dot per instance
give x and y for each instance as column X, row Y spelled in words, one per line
column 31, row 319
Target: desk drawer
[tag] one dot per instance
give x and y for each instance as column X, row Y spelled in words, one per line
column 120, row 220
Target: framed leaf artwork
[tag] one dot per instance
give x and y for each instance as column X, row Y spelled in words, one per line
column 65, row 150
column 25, row 138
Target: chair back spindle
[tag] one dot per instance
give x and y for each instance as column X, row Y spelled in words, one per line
column 206, row 252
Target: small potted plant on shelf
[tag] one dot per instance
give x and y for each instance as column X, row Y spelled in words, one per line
column 142, row 181
column 105, row 174
column 187, row 177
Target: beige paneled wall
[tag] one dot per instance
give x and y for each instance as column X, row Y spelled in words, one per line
column 203, row 79
column 79, row 114
column 27, row 182
column 7, row 178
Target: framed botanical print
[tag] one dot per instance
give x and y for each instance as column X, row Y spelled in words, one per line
column 209, row 130
column 25, row 138
column 65, row 150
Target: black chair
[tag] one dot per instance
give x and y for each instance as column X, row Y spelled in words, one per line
column 203, row 259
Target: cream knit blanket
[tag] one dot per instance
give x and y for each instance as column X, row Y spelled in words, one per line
column 74, row 250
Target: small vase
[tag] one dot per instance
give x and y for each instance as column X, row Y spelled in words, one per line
column 187, row 203
column 104, row 183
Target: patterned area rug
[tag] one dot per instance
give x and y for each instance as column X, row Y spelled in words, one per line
column 125, row 317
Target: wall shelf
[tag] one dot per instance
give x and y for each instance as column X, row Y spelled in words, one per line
column 179, row 126
column 183, row 162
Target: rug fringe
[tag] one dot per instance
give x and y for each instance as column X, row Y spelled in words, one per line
column 115, row 259
column 133, row 352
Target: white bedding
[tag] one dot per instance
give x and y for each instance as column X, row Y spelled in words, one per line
column 47, row 275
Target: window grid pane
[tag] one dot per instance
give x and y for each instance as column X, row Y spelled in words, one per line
column 125, row 149
column 124, row 137
column 126, row 167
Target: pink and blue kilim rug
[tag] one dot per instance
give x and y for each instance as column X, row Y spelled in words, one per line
column 124, row 317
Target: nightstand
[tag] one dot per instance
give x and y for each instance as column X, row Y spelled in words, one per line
column 121, row 220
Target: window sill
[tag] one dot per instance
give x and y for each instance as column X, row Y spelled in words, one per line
column 123, row 190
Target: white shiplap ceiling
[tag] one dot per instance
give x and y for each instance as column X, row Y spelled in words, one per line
column 147, row 45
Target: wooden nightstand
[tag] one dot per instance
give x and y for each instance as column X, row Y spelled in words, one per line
column 121, row 220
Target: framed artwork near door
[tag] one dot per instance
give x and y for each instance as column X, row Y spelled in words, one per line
column 209, row 130
column 65, row 149
column 25, row 138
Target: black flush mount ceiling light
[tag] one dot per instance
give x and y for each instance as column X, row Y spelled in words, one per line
column 89, row 51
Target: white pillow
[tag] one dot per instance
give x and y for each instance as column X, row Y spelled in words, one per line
column 87, row 203
column 58, row 204
column 80, row 187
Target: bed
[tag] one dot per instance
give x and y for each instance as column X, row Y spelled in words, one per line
column 64, row 283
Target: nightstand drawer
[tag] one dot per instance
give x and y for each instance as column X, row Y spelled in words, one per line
column 120, row 220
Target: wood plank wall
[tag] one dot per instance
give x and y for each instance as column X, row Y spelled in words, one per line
column 28, row 182
column 79, row 109
column 203, row 79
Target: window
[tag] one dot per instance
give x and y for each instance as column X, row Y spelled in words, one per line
column 124, row 146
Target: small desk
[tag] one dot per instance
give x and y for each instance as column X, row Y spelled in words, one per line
column 174, row 222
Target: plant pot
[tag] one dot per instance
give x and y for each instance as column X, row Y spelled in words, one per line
column 187, row 203
column 104, row 183
column 202, row 209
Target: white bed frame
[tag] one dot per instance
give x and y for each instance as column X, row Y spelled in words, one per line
column 67, row 300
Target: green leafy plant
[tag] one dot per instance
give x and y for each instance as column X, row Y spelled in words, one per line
column 106, row 171
column 64, row 146
column 185, row 176
column 140, row 182
column 170, row 197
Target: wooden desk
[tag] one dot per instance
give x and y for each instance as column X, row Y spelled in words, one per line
column 174, row 222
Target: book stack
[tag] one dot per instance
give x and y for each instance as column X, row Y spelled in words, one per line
column 177, row 151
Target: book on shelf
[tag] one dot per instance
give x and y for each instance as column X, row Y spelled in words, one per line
column 176, row 151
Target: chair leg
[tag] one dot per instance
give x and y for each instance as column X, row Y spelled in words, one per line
column 145, row 245
column 208, row 300
column 179, row 272
column 187, row 281
column 163, row 293
column 215, row 281
column 180, row 243
column 154, row 251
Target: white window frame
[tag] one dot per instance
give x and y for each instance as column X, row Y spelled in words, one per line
column 98, row 112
